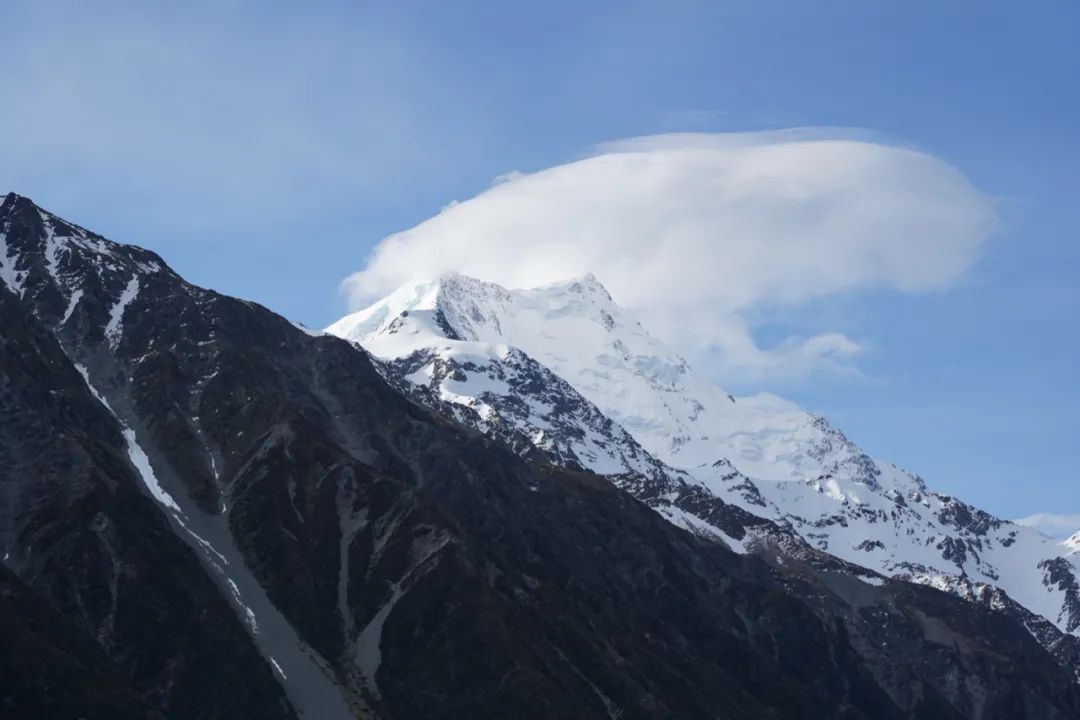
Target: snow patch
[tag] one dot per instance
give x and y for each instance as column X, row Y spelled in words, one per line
column 278, row 668
column 135, row 452
column 113, row 328
column 368, row 644
column 249, row 614
column 142, row 464
column 306, row 330
column 12, row 278
column 204, row 544
column 72, row 302
column 1072, row 545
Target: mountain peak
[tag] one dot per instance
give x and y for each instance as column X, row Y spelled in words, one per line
column 14, row 200
column 1073, row 543
column 587, row 285
column 63, row 268
column 459, row 306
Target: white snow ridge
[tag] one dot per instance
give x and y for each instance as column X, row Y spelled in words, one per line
column 564, row 368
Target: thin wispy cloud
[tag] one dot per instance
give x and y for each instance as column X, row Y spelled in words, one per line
column 215, row 113
column 700, row 232
column 1053, row 525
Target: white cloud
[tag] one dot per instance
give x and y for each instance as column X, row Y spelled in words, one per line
column 697, row 232
column 1054, row 525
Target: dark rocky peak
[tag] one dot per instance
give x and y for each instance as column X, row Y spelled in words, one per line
column 589, row 284
column 30, row 229
column 65, row 269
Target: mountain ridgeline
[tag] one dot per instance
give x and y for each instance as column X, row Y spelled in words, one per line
column 207, row 511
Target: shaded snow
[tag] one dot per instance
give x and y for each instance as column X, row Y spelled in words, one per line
column 11, row 277
column 72, row 302
column 278, row 668
column 135, row 452
column 305, row 329
column 369, row 643
column 142, row 464
column 113, row 329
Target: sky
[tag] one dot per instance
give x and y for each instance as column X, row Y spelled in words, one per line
column 905, row 261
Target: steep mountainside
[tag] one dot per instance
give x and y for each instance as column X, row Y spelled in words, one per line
column 595, row 378
column 246, row 520
column 49, row 668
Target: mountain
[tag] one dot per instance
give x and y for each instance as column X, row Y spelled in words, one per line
column 464, row 342
column 207, row 511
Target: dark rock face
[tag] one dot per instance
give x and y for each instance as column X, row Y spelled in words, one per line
column 1059, row 574
column 49, row 668
column 427, row 570
column 78, row 529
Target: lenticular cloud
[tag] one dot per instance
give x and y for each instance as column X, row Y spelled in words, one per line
column 696, row 231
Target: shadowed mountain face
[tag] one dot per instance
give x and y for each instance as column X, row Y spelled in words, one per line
column 50, row 668
column 234, row 517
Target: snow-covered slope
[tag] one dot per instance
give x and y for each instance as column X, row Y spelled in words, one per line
column 498, row 385
column 509, row 355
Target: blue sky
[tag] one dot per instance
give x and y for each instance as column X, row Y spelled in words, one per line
column 265, row 149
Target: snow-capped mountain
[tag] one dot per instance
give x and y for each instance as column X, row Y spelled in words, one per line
column 506, row 357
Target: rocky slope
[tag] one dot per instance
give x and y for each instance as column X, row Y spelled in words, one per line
column 239, row 518
column 566, row 368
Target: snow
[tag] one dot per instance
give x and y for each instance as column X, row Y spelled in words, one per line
column 681, row 518
column 93, row 391
column 11, row 277
column 72, row 302
column 52, row 248
column 113, row 329
column 204, row 544
column 874, row 580
column 136, row 454
column 762, row 453
column 1072, row 544
column 576, row 330
column 146, row 472
column 306, row 330
column 368, row 644
column 278, row 668
column 488, row 377
column 249, row 614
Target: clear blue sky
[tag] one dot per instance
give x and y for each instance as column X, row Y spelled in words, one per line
column 263, row 149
